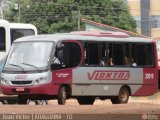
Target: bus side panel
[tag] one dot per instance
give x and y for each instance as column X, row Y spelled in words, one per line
column 61, row 77
column 149, row 83
column 105, row 81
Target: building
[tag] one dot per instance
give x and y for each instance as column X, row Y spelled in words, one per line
column 90, row 25
column 147, row 16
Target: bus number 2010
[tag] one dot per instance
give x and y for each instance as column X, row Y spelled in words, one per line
column 149, row 76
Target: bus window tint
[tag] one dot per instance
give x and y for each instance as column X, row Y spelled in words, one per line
column 2, row 39
column 118, row 54
column 133, row 54
column 93, row 54
column 150, row 55
column 17, row 33
column 103, row 54
column 127, row 57
column 141, row 55
column 71, row 54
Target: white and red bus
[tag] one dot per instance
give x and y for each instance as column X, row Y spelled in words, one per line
column 81, row 65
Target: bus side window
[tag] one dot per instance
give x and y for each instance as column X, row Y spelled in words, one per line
column 92, row 54
column 127, row 57
column 86, row 54
column 110, row 54
column 141, row 55
column 103, row 54
column 118, row 54
column 71, row 54
column 2, row 39
column 150, row 54
column 133, row 55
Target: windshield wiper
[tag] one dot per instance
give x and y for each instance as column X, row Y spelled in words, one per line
column 31, row 65
column 17, row 66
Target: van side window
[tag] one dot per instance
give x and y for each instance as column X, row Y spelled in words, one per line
column 2, row 39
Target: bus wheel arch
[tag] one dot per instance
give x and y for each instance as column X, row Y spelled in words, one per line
column 64, row 93
column 123, row 95
column 86, row 100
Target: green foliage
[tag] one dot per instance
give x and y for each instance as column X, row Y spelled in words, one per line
column 51, row 16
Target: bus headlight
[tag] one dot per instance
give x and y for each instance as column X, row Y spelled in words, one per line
column 4, row 81
column 41, row 80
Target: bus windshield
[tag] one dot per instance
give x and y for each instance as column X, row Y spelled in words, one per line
column 29, row 56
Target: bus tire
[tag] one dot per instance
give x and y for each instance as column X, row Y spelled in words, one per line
column 122, row 97
column 62, row 95
column 85, row 100
column 22, row 100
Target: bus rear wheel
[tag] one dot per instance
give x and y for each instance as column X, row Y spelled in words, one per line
column 62, row 96
column 122, row 97
column 85, row 100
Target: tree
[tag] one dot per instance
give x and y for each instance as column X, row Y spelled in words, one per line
column 51, row 16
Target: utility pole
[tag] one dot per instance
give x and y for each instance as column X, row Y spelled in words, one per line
column 19, row 11
column 18, row 8
column 1, row 9
column 79, row 19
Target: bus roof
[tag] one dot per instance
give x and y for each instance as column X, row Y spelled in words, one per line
column 70, row 36
column 5, row 23
column 101, row 33
column 22, row 25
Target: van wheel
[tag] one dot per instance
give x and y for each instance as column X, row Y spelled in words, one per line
column 62, row 96
column 85, row 100
column 122, row 97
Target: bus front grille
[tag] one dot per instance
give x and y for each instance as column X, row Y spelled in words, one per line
column 21, row 82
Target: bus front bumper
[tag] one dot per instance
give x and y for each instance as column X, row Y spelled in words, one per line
column 45, row 89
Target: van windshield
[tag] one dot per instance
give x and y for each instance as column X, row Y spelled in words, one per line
column 29, row 56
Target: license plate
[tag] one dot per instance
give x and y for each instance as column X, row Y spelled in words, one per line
column 19, row 89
